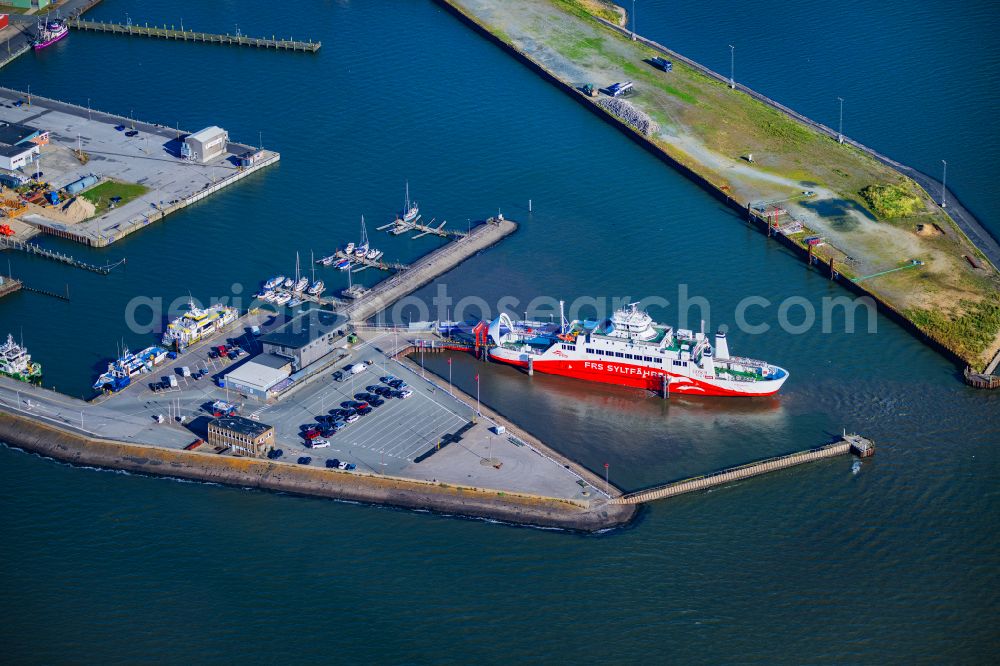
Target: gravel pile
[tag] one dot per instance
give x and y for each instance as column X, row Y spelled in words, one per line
column 630, row 114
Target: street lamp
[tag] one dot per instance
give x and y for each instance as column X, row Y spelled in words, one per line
column 944, row 184
column 840, row 128
column 632, row 21
column 732, row 66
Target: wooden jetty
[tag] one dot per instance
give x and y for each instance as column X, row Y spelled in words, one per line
column 849, row 443
column 31, row 248
column 164, row 32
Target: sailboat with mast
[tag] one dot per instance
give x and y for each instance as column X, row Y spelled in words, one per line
column 361, row 249
column 411, row 211
column 317, row 287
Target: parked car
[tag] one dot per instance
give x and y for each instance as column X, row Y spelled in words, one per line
column 132, row 133
column 388, row 379
column 365, row 411
column 352, row 418
column 304, row 460
column 311, row 434
column 358, row 406
column 405, row 393
column 319, row 443
column 376, row 402
column 333, row 463
column 373, row 388
column 346, row 466
column 337, row 376
column 397, row 383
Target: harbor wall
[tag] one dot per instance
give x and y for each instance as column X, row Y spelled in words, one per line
column 256, row 473
column 742, row 208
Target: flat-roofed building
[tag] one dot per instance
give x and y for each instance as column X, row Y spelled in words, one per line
column 305, row 338
column 244, row 436
column 205, row 145
column 256, row 377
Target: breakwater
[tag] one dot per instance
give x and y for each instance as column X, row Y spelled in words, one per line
column 520, row 508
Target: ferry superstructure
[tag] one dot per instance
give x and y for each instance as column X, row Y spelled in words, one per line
column 15, row 361
column 631, row 349
column 196, row 323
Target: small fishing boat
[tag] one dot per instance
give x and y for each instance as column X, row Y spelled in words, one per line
column 317, row 288
column 349, row 248
column 343, row 264
column 282, row 298
column 374, row 254
column 288, row 283
column 274, row 282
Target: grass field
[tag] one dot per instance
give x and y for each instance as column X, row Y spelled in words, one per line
column 101, row 195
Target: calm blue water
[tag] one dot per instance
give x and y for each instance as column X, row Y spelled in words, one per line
column 894, row 563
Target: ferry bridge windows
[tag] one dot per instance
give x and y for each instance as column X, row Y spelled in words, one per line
column 619, row 355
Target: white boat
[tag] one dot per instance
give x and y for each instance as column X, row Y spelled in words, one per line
column 288, row 283
column 374, row 254
column 302, row 283
column 197, row 323
column 344, row 264
column 268, row 296
column 326, row 261
column 294, row 302
column 361, row 249
column 317, row 288
column 274, row 282
column 282, row 298
column 349, row 248
column 410, row 210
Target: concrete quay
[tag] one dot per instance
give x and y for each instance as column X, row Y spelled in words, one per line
column 151, row 159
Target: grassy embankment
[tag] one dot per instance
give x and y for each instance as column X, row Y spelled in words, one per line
column 102, row 194
column 875, row 212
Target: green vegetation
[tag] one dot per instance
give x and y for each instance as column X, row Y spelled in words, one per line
column 101, row 195
column 588, row 8
column 890, row 201
column 970, row 333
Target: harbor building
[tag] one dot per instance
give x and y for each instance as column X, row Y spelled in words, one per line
column 206, row 145
column 245, row 437
column 305, row 338
column 258, row 376
column 20, row 145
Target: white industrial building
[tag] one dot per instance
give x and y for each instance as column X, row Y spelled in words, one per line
column 18, row 156
column 206, row 145
column 258, row 376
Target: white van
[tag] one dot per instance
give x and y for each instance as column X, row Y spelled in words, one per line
column 358, row 368
column 185, row 371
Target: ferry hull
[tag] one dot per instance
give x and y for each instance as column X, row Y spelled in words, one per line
column 636, row 376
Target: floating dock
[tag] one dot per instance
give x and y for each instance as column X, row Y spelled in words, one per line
column 428, row 268
column 164, row 32
column 853, row 443
column 398, row 226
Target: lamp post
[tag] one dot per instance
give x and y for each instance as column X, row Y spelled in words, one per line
column 632, row 20
column 607, row 485
column 944, row 184
column 732, row 66
column 840, row 127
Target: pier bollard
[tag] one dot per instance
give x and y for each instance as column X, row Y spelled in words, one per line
column 531, row 367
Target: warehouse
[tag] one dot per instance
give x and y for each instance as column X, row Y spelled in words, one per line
column 206, row 145
column 258, row 376
column 16, row 157
column 306, row 338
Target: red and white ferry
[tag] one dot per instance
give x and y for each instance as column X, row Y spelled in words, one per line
column 631, row 349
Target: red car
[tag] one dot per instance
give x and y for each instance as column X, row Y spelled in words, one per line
column 311, row 433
